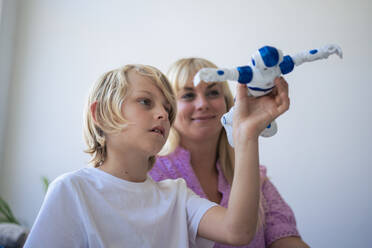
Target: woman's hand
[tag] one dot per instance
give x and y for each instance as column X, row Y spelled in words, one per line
column 253, row 114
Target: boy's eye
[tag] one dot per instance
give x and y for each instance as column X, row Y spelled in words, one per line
column 188, row 96
column 145, row 101
column 168, row 109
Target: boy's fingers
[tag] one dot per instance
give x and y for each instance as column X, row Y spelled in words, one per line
column 282, row 88
column 284, row 106
column 278, row 100
column 241, row 91
column 281, row 84
column 282, row 99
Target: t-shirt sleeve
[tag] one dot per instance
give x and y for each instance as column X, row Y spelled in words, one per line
column 196, row 208
column 58, row 223
column 279, row 217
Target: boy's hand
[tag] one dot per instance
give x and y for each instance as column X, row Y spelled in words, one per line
column 253, row 114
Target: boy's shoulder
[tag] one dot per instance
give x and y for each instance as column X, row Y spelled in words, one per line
column 176, row 185
column 179, row 182
column 71, row 178
column 72, row 175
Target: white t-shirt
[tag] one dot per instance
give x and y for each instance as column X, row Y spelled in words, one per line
column 91, row 208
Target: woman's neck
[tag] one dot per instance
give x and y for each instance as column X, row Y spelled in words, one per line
column 203, row 161
column 128, row 165
column 203, row 153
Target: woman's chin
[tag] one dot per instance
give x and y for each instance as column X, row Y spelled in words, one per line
column 206, row 134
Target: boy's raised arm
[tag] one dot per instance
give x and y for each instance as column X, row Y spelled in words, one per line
column 237, row 224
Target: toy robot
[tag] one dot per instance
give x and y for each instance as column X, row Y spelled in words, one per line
column 267, row 64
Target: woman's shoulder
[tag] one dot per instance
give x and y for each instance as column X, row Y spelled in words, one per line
column 171, row 166
column 178, row 155
column 269, row 190
column 263, row 172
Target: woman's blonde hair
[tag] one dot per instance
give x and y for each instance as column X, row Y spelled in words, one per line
column 181, row 72
column 109, row 93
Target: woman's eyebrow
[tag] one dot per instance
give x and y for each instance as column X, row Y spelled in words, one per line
column 211, row 85
column 208, row 87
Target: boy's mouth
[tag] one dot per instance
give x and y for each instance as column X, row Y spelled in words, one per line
column 158, row 129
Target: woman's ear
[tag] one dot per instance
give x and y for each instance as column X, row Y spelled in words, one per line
column 93, row 108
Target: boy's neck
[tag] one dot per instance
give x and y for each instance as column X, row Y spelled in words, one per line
column 130, row 166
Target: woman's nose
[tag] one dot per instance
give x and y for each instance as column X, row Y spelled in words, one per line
column 201, row 103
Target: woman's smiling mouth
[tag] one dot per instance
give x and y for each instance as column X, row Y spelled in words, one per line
column 203, row 118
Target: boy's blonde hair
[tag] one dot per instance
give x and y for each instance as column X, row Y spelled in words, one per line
column 109, row 93
column 181, row 72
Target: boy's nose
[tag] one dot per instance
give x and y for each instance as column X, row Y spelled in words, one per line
column 161, row 114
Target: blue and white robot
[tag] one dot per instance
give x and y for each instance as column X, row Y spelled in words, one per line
column 267, row 64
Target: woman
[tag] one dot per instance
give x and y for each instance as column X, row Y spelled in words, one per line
column 197, row 150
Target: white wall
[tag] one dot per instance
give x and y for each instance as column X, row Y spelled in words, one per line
column 7, row 37
column 320, row 159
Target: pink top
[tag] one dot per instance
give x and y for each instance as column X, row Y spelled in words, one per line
column 279, row 218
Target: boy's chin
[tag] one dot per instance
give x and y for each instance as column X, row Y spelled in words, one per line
column 153, row 148
column 154, row 152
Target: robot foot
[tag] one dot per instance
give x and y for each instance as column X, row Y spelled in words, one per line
column 271, row 130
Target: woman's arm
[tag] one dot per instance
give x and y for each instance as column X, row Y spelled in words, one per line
column 289, row 242
column 280, row 223
column 237, row 224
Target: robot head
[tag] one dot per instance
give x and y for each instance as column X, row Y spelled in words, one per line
column 267, row 57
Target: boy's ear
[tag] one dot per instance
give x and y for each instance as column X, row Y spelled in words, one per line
column 93, row 108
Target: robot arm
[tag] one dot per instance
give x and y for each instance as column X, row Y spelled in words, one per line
column 315, row 54
column 216, row 75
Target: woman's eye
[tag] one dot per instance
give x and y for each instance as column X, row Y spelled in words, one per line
column 213, row 93
column 188, row 96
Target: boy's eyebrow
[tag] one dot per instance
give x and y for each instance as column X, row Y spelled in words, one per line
column 208, row 87
column 149, row 93
column 145, row 91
